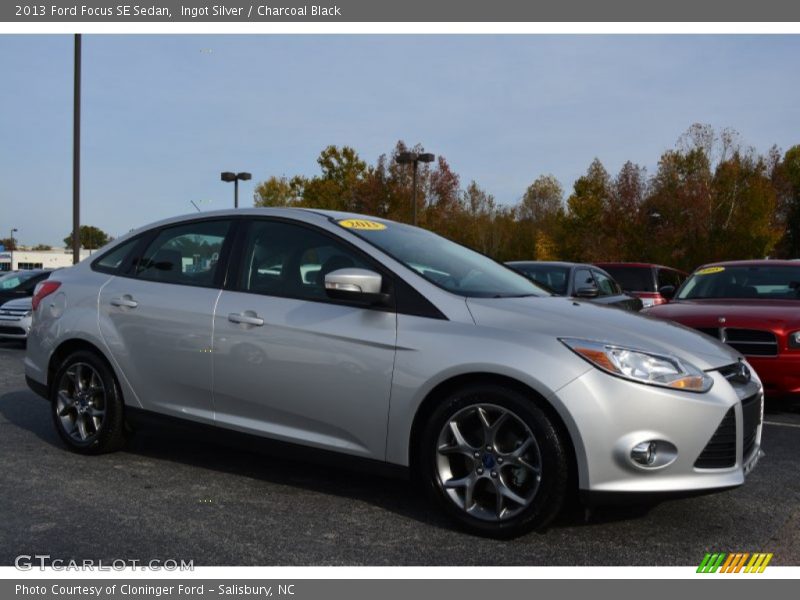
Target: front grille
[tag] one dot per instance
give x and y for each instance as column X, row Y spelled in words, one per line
column 750, row 342
column 11, row 330
column 720, row 452
column 13, row 312
column 751, row 419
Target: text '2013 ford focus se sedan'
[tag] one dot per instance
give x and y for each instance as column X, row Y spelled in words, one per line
column 386, row 343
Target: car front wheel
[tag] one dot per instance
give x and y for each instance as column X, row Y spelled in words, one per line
column 494, row 461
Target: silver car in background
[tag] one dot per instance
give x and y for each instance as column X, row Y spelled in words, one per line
column 387, row 344
column 16, row 319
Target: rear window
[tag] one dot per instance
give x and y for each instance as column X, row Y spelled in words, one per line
column 632, row 279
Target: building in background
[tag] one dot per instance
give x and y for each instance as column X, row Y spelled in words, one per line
column 37, row 259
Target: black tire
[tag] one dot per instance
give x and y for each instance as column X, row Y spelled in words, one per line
column 546, row 498
column 109, row 434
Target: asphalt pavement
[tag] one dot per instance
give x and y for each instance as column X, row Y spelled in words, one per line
column 165, row 498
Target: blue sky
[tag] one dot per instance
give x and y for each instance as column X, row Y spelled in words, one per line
column 163, row 115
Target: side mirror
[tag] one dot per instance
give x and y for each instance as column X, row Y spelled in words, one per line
column 587, row 291
column 361, row 286
column 667, row 291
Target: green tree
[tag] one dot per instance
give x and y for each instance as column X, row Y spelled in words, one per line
column 90, row 236
column 42, row 247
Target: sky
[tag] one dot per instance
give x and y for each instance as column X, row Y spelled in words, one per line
column 164, row 114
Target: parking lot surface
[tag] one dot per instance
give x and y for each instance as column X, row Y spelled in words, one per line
column 166, row 498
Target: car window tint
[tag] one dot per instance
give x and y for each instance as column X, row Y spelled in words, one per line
column 552, row 277
column 186, row 254
column 282, row 259
column 605, row 284
column 632, row 279
column 669, row 277
column 112, row 260
column 583, row 278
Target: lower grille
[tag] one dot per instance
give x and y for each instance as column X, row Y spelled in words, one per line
column 751, row 419
column 720, row 452
column 11, row 331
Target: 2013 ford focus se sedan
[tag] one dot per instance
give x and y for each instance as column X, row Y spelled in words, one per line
column 387, row 343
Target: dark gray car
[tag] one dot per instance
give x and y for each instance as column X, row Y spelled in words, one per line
column 578, row 280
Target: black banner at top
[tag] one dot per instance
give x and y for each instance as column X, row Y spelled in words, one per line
column 343, row 11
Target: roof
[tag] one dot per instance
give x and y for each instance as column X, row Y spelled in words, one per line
column 759, row 262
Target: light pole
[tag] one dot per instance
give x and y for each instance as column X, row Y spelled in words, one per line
column 415, row 158
column 229, row 176
column 76, row 155
column 11, row 249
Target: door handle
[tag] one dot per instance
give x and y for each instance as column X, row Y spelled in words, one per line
column 125, row 301
column 245, row 318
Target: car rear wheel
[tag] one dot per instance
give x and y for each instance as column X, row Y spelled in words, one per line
column 87, row 405
column 494, row 461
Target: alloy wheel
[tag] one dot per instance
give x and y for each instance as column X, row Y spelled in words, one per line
column 488, row 462
column 81, row 402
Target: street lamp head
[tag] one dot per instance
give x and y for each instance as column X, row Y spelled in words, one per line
column 227, row 176
column 243, row 176
column 405, row 158
column 14, row 230
column 426, row 157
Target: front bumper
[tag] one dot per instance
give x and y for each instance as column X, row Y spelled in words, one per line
column 779, row 374
column 13, row 327
column 611, row 415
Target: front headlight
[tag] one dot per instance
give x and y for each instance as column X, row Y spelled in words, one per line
column 641, row 366
column 794, row 339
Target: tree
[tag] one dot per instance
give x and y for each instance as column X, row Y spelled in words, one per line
column 90, row 236
column 8, row 244
column 584, row 238
column 42, row 247
column 278, row 191
column 785, row 178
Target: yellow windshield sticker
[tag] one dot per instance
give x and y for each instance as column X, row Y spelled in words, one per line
column 362, row 224
column 710, row 270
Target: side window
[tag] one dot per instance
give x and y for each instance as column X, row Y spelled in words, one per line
column 583, row 278
column 185, row 254
column 605, row 284
column 111, row 261
column 669, row 277
column 281, row 259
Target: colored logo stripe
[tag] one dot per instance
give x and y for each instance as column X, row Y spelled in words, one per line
column 734, row 562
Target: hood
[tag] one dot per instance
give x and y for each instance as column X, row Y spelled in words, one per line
column 751, row 314
column 563, row 317
column 19, row 303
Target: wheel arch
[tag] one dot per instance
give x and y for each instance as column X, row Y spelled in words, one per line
column 70, row 346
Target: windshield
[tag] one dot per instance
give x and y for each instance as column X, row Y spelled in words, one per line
column 9, row 281
column 451, row 266
column 761, row 282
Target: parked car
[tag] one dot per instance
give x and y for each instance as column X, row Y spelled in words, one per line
column 753, row 306
column 577, row 280
column 20, row 284
column 654, row 284
column 15, row 319
column 403, row 351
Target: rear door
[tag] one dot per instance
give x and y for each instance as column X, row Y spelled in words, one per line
column 291, row 363
column 157, row 318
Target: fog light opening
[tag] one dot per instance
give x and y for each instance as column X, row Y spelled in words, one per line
column 645, row 453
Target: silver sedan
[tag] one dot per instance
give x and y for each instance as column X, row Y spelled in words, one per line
column 389, row 346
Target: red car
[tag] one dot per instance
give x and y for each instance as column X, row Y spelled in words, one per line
column 645, row 280
column 752, row 305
